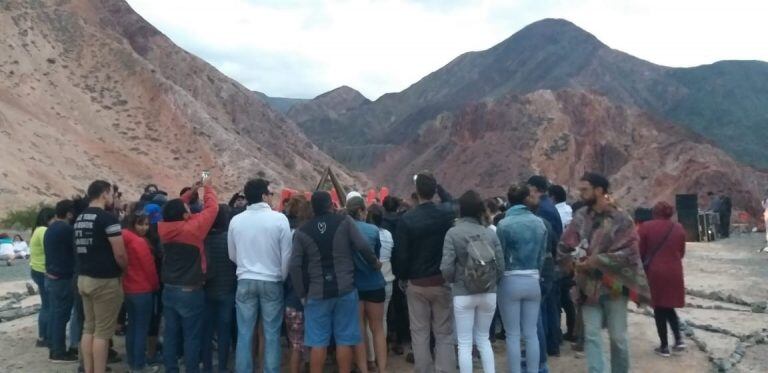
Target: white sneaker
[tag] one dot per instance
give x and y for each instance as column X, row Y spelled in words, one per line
column 765, row 249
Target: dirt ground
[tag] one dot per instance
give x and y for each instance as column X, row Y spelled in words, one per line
column 720, row 328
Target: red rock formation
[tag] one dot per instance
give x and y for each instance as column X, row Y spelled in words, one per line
column 88, row 89
column 489, row 145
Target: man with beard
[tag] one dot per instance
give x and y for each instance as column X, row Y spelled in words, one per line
column 102, row 259
column 603, row 242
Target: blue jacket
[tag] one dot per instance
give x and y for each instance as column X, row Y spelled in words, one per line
column 548, row 212
column 523, row 238
column 367, row 278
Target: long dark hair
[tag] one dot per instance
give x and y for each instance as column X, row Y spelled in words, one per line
column 43, row 217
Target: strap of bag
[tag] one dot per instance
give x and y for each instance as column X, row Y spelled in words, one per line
column 649, row 258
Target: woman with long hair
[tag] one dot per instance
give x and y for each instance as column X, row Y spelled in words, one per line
column 662, row 247
column 298, row 210
column 466, row 245
column 37, row 265
column 371, row 290
column 140, row 281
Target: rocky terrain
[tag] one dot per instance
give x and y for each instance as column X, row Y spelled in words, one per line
column 88, row 89
column 562, row 134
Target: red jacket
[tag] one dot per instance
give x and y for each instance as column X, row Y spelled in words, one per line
column 140, row 275
column 193, row 230
column 665, row 273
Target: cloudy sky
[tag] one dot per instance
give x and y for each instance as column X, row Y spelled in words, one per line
column 293, row 48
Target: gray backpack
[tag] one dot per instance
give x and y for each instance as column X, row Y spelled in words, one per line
column 480, row 272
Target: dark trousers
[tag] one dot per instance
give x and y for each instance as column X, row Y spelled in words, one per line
column 219, row 312
column 182, row 311
column 725, row 224
column 78, row 317
column 61, row 296
column 567, row 305
column 138, row 309
column 397, row 319
column 550, row 306
column 664, row 316
column 43, row 317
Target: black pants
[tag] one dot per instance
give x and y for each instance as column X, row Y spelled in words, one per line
column 664, row 316
column 567, row 304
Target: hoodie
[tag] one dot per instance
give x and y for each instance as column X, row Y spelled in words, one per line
column 184, row 262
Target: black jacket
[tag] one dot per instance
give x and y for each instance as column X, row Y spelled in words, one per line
column 419, row 239
column 220, row 274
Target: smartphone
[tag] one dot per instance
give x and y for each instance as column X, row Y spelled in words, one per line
column 204, row 175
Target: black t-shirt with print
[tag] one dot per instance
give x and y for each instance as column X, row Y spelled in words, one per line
column 93, row 228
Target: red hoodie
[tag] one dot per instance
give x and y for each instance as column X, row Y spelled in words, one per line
column 141, row 274
column 193, row 230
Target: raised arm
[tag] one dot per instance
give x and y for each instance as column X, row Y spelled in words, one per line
column 203, row 221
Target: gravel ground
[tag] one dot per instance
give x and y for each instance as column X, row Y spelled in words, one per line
column 18, row 271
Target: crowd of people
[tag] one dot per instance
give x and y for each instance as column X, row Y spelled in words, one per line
column 205, row 286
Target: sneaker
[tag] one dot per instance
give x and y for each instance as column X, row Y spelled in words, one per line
column 73, row 351
column 409, row 358
column 41, row 343
column 662, row 351
column 679, row 346
column 64, row 358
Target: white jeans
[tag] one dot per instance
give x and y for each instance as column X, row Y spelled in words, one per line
column 473, row 314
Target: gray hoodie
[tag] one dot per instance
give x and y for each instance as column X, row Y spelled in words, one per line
column 455, row 252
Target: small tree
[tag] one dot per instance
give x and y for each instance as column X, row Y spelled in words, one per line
column 23, row 218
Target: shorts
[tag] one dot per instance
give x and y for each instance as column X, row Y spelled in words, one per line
column 294, row 327
column 102, row 298
column 373, row 296
column 338, row 317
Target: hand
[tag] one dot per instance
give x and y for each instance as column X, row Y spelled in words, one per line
column 208, row 181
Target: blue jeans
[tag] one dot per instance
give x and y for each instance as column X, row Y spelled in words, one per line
column 614, row 312
column 139, row 312
column 218, row 320
column 44, row 316
column 60, row 295
column 254, row 296
column 519, row 301
column 182, row 311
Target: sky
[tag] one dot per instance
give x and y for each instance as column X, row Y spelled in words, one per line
column 300, row 49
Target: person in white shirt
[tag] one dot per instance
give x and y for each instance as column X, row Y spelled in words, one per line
column 557, row 193
column 260, row 244
column 20, row 247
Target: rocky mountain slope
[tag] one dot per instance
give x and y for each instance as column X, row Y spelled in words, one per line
column 726, row 102
column 561, row 134
column 327, row 106
column 88, row 89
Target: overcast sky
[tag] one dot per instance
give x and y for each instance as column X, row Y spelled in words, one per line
column 292, row 48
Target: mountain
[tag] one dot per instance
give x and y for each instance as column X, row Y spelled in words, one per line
column 329, row 105
column 726, row 102
column 281, row 104
column 562, row 134
column 89, row 89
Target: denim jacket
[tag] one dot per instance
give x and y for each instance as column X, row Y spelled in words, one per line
column 523, row 238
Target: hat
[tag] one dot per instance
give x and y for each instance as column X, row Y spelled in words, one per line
column 355, row 203
column 353, row 194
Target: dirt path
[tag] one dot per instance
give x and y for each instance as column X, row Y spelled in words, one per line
column 728, row 333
